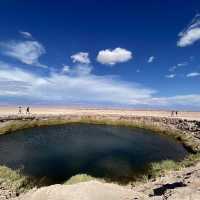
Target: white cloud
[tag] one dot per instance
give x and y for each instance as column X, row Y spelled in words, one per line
column 27, row 52
column 182, row 64
column 81, row 70
column 151, row 59
column 68, row 88
column 66, row 69
column 59, row 88
column 173, row 68
column 191, row 34
column 193, row 74
column 170, row 76
column 185, row 101
column 111, row 57
column 16, row 82
column 26, row 35
column 81, row 57
column 181, row 100
column 77, row 70
column 189, row 37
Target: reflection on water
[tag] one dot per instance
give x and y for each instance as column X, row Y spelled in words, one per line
column 59, row 152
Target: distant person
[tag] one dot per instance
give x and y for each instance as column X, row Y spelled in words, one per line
column 20, row 110
column 28, row 110
column 176, row 113
column 172, row 113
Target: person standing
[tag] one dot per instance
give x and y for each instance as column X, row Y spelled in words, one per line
column 20, row 110
column 28, row 110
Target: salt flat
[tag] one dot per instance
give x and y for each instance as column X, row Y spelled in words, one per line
column 190, row 115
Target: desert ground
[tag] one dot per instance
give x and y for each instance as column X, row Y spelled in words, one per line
column 175, row 185
column 13, row 110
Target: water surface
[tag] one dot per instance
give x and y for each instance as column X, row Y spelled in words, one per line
column 110, row 152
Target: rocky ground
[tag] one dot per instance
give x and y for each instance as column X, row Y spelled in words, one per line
column 179, row 185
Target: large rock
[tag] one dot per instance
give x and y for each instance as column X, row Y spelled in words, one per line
column 92, row 190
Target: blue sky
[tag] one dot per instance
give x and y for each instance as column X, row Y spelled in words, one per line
column 100, row 53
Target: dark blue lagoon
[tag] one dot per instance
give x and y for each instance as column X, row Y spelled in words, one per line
column 110, row 152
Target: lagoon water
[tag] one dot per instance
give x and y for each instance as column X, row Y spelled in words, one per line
column 109, row 152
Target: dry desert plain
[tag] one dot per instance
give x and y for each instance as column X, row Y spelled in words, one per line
column 13, row 110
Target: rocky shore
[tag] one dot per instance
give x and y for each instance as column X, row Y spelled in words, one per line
column 176, row 185
column 183, row 184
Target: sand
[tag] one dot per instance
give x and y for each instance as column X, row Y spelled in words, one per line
column 189, row 115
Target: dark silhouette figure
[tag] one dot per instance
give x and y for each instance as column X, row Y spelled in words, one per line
column 176, row 113
column 20, row 110
column 28, row 110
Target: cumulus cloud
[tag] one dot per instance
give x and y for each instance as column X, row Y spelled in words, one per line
column 111, row 57
column 28, row 52
column 191, row 34
column 193, row 74
column 151, row 59
column 170, row 75
column 81, row 57
column 26, row 35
